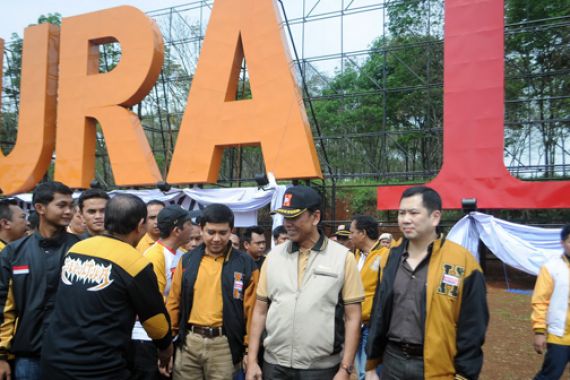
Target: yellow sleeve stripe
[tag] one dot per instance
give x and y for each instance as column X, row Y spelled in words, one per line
column 156, row 327
column 9, row 324
column 116, row 251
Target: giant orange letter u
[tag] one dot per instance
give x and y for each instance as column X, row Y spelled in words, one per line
column 85, row 95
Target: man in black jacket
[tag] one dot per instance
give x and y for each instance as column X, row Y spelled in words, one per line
column 30, row 270
column 210, row 302
column 105, row 283
column 430, row 312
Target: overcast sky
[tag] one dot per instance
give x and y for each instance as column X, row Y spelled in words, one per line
column 19, row 14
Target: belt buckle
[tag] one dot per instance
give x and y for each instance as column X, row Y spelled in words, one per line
column 405, row 347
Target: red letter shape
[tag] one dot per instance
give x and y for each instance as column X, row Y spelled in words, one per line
column 473, row 132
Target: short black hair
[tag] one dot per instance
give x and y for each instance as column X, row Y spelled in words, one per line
column 217, row 213
column 279, row 230
column 155, row 202
column 91, row 194
column 166, row 229
column 45, row 192
column 5, row 210
column 123, row 213
column 430, row 198
column 565, row 232
column 246, row 237
column 33, row 219
column 367, row 224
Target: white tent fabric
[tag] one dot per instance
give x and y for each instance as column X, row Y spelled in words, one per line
column 244, row 202
column 522, row 247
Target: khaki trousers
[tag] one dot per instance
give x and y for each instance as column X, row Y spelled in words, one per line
column 203, row 358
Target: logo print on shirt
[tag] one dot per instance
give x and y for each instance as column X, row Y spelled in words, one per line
column 450, row 280
column 238, row 285
column 88, row 271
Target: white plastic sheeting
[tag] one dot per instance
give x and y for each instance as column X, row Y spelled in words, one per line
column 522, row 247
column 244, row 202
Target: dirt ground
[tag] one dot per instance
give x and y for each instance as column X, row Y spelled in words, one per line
column 508, row 350
column 508, row 347
column 509, row 354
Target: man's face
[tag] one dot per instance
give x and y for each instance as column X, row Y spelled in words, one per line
column 58, row 212
column 282, row 238
column 235, row 241
column 415, row 221
column 216, row 237
column 566, row 245
column 93, row 215
column 17, row 226
column 195, row 237
column 358, row 237
column 151, row 225
column 256, row 248
column 385, row 243
column 77, row 225
column 300, row 228
column 184, row 235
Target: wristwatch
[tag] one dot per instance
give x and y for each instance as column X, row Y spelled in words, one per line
column 348, row 368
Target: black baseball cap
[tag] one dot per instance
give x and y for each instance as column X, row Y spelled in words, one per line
column 172, row 216
column 297, row 199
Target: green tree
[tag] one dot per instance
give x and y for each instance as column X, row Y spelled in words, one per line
column 538, row 82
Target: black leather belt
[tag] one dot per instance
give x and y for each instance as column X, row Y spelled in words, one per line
column 206, row 331
column 409, row 349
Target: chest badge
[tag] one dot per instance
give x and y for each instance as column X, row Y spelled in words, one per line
column 238, row 285
column 451, row 280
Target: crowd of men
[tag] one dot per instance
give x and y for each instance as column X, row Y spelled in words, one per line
column 107, row 288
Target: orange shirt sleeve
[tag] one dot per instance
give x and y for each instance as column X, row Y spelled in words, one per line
column 173, row 300
column 249, row 298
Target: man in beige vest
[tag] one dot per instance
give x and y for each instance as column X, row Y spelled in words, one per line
column 308, row 299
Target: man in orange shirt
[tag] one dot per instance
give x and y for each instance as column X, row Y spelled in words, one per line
column 152, row 232
column 210, row 302
column 175, row 226
column 368, row 250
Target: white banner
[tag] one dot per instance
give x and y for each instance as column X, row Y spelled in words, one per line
column 522, row 247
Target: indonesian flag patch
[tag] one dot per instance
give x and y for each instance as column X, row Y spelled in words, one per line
column 21, row 269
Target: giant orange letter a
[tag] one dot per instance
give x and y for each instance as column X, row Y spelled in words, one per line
column 274, row 117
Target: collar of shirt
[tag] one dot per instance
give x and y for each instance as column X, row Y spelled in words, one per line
column 159, row 241
column 320, row 245
column 54, row 241
column 406, row 255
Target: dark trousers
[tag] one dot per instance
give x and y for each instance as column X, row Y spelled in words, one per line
column 277, row 372
column 400, row 366
column 145, row 361
column 554, row 362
